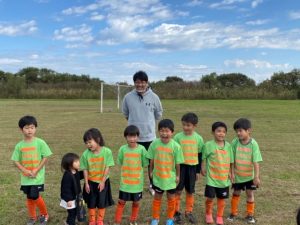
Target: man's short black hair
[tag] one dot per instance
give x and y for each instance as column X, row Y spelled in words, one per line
column 131, row 130
column 190, row 118
column 27, row 120
column 140, row 75
column 242, row 123
column 166, row 123
column 218, row 124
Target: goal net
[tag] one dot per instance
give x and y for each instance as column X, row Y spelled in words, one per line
column 111, row 96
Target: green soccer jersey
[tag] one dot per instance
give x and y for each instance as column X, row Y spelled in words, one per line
column 96, row 164
column 30, row 155
column 245, row 156
column 191, row 145
column 132, row 162
column 218, row 161
column 165, row 157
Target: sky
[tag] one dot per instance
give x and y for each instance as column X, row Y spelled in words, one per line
column 112, row 39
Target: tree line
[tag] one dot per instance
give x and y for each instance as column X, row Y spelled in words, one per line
column 34, row 82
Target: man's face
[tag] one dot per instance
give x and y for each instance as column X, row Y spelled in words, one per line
column 141, row 86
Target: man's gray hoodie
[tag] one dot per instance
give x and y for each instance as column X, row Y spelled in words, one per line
column 143, row 111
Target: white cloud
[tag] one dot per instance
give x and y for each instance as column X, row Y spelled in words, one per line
column 257, row 64
column 255, row 3
column 192, row 67
column 9, row 61
column 80, row 34
column 226, row 4
column 24, row 28
column 257, row 22
column 96, row 17
column 34, row 56
column 81, row 9
column 294, row 15
column 195, row 3
column 139, row 66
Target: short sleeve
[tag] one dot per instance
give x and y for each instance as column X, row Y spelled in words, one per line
column 178, row 155
column 150, row 153
column 256, row 153
column 120, row 156
column 204, row 152
column 110, row 159
column 16, row 156
column 45, row 149
column 145, row 160
column 83, row 162
column 200, row 144
column 231, row 154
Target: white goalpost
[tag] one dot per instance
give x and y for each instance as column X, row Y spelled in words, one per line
column 111, row 96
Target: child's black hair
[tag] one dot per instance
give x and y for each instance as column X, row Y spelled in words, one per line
column 27, row 120
column 166, row 123
column 140, row 75
column 94, row 134
column 242, row 123
column 218, row 124
column 131, row 130
column 68, row 160
column 190, row 118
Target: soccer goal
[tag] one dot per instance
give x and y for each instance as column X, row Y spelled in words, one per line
column 111, row 96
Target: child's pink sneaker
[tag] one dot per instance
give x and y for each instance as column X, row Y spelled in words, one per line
column 99, row 222
column 209, row 219
column 220, row 220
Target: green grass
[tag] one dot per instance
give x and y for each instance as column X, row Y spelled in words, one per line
column 62, row 123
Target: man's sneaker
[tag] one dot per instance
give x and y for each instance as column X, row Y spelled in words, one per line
column 133, row 223
column 151, row 190
column 154, row 222
column 209, row 219
column 44, row 219
column 190, row 217
column 220, row 220
column 170, row 222
column 231, row 218
column 250, row 219
column 177, row 218
column 31, row 221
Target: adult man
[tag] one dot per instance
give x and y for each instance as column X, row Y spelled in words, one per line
column 142, row 108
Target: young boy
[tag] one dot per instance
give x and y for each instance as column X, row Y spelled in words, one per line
column 30, row 156
column 191, row 144
column 246, row 168
column 132, row 158
column 165, row 156
column 217, row 166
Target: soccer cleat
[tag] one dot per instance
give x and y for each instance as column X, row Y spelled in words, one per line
column 209, row 219
column 151, row 190
column 231, row 218
column 177, row 218
column 250, row 219
column 219, row 220
column 44, row 219
column 31, row 221
column 190, row 217
column 170, row 222
column 154, row 222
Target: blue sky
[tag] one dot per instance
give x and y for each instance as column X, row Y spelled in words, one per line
column 111, row 39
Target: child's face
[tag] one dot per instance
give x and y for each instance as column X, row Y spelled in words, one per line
column 29, row 131
column 165, row 134
column 243, row 134
column 76, row 164
column 188, row 128
column 132, row 140
column 92, row 145
column 220, row 133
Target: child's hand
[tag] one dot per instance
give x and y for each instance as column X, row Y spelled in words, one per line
column 34, row 173
column 203, row 172
column 87, row 188
column 231, row 177
column 151, row 175
column 101, row 186
column 197, row 176
column 27, row 173
column 69, row 203
column 256, row 181
column 177, row 179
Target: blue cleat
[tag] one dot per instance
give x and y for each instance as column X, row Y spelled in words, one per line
column 170, row 222
column 154, row 222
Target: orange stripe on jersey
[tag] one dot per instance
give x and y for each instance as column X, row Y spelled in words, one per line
column 95, row 172
column 130, row 162
column 96, row 159
column 163, row 162
column 30, row 167
column 243, row 162
column 191, row 161
column 219, row 177
column 244, row 168
column 162, row 169
column 189, row 148
column 133, row 175
column 133, row 155
column 164, row 156
column 244, row 149
column 192, row 142
column 220, row 164
column 242, row 174
column 96, row 179
column 96, row 166
column 220, row 151
column 131, row 181
column 30, row 161
column 243, row 155
column 30, row 156
column 131, row 168
column 160, row 148
column 163, row 176
column 219, row 170
column 190, row 154
column 27, row 149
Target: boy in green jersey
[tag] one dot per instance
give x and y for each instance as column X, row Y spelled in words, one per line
column 30, row 156
column 132, row 158
column 217, row 166
column 165, row 156
column 191, row 144
column 246, row 168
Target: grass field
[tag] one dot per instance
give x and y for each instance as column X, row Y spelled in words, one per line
column 276, row 127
